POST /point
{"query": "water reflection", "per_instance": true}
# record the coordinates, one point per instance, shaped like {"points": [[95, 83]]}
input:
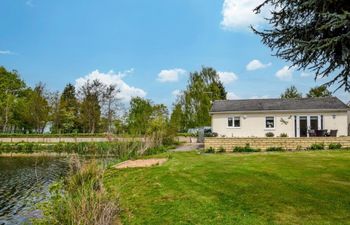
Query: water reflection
{"points": [[24, 181]]}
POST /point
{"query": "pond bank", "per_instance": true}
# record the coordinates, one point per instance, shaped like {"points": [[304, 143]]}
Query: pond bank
{"points": [[34, 154]]}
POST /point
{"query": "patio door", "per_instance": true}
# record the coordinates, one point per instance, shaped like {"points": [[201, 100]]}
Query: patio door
{"points": [[306, 123], [314, 124], [303, 126]]}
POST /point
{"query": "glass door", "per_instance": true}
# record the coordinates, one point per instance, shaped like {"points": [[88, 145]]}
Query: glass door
{"points": [[303, 126], [314, 123]]}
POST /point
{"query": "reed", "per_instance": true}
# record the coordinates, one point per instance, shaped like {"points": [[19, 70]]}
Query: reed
{"points": [[79, 199], [122, 150]]}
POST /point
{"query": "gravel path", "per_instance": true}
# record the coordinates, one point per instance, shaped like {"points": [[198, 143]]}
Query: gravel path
{"points": [[188, 147]]}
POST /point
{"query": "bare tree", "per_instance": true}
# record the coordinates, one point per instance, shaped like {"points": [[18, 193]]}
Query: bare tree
{"points": [[111, 103]]}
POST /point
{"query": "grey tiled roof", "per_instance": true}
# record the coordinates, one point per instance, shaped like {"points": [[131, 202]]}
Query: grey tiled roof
{"points": [[278, 104]]}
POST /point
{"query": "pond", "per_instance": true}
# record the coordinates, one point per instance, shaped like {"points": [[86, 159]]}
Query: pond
{"points": [[25, 181]]}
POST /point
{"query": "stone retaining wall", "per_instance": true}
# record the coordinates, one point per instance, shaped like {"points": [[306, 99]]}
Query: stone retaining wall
{"points": [[264, 143]]}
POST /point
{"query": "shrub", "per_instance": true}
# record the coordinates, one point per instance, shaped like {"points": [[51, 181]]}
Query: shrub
{"points": [[187, 134], [275, 149], [221, 149], [317, 146], [283, 135], [79, 199], [214, 134], [209, 150], [334, 146], [155, 150], [168, 141], [246, 148], [269, 134]]}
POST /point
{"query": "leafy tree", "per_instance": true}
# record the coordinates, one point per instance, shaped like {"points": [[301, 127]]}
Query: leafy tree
{"points": [[311, 34], [21, 112], [139, 115], [291, 92], [55, 114], [176, 118], [203, 88], [11, 87], [320, 91], [111, 104], [37, 108], [69, 110], [119, 126], [90, 110], [158, 125]]}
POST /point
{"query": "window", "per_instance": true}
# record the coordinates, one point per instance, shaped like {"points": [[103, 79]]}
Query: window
{"points": [[270, 122], [234, 122], [230, 122], [237, 122]]}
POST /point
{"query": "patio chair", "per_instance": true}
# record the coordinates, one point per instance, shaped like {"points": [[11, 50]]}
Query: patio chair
{"points": [[321, 133], [312, 133], [333, 133]]}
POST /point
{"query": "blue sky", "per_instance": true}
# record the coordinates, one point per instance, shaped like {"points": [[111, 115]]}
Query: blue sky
{"points": [[146, 47]]}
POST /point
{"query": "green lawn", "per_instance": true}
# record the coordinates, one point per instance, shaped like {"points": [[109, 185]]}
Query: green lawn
{"points": [[260, 188]]}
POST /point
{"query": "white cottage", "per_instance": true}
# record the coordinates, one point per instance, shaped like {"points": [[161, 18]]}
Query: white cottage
{"points": [[295, 117]]}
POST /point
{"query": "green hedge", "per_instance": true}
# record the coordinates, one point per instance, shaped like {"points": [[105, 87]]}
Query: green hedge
{"points": [[246, 148], [120, 149], [7, 135], [275, 149]]}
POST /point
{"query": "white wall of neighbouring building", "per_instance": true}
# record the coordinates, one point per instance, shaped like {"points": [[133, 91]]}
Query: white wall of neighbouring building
{"points": [[253, 124]]}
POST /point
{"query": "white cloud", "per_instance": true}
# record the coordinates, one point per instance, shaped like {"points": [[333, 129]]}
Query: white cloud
{"points": [[227, 77], [305, 74], [232, 96], [171, 75], [238, 14], [126, 91], [256, 64], [6, 52], [176, 92], [259, 97], [285, 74]]}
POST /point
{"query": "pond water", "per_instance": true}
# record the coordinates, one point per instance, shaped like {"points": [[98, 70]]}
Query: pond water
{"points": [[24, 181]]}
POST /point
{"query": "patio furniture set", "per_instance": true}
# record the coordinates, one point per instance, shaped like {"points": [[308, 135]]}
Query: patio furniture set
{"points": [[323, 133]]}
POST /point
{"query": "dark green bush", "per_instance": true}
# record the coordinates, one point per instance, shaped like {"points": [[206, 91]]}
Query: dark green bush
{"points": [[275, 149], [269, 134], [334, 146], [209, 150], [155, 150], [221, 149], [246, 148], [170, 141], [283, 135], [317, 146]]}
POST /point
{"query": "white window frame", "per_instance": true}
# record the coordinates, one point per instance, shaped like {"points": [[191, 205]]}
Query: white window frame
{"points": [[274, 123], [233, 122]]}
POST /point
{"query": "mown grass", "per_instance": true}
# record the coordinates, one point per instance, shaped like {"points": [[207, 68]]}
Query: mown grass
{"points": [[257, 188]]}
